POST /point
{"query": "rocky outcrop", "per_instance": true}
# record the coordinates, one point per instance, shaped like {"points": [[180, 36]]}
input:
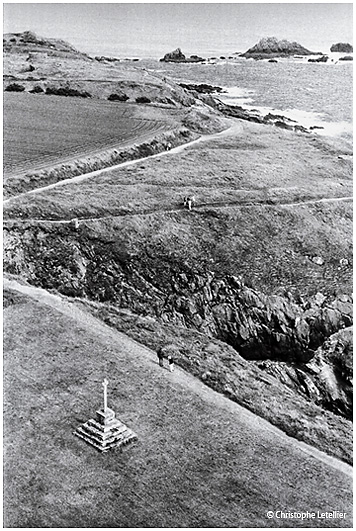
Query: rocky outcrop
{"points": [[271, 47], [342, 47], [326, 378], [346, 58], [177, 56], [258, 326], [331, 369], [322, 59], [254, 116], [203, 88]]}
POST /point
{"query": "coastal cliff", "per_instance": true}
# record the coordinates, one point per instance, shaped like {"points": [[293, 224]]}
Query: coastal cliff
{"points": [[242, 275]]}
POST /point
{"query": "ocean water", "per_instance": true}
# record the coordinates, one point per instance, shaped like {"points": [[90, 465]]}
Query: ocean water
{"points": [[313, 94]]}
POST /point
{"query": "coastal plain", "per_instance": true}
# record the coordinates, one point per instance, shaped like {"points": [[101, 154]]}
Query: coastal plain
{"points": [[103, 265]]}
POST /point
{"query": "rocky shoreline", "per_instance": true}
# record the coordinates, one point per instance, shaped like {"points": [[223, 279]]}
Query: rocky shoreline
{"points": [[236, 111]]}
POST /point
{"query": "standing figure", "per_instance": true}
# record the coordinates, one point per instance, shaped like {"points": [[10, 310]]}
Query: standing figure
{"points": [[189, 202], [160, 356], [171, 363]]}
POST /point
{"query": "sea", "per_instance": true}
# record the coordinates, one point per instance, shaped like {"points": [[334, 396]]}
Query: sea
{"points": [[313, 94]]}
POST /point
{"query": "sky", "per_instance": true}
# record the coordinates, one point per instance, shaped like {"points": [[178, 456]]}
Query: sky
{"points": [[153, 29]]}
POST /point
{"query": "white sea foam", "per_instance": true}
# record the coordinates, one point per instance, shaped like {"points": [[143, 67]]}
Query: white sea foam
{"points": [[236, 96], [242, 97]]}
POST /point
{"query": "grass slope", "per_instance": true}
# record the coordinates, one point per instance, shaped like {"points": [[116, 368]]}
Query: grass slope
{"points": [[255, 216], [201, 461]]}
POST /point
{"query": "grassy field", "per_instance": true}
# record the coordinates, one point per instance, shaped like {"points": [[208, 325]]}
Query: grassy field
{"points": [[40, 130], [161, 183], [201, 461]]}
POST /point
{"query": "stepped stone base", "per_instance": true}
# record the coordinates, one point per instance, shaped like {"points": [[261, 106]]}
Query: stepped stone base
{"points": [[105, 432]]}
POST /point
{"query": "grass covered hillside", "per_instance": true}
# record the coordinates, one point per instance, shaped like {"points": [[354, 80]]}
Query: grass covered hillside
{"points": [[251, 290], [200, 461], [244, 266]]}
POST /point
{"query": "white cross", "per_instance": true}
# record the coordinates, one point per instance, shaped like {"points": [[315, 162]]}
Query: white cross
{"points": [[105, 385]]}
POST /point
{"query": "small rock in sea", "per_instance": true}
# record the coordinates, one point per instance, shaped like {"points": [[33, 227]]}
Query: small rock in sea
{"points": [[344, 262]]}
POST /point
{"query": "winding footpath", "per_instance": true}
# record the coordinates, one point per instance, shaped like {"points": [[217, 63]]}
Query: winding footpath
{"points": [[198, 207], [236, 128]]}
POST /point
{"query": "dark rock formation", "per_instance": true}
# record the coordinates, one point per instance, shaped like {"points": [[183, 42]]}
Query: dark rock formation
{"points": [[143, 99], [331, 369], [177, 56], [346, 58], [118, 97], [258, 326], [37, 89], [322, 59], [203, 88], [272, 47], [272, 61], [103, 58], [342, 47], [251, 116], [326, 378], [67, 91], [14, 87]]}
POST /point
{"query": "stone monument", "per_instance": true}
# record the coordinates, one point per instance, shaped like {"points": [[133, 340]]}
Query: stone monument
{"points": [[105, 431]]}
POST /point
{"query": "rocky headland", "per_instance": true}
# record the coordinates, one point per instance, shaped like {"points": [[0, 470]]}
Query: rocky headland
{"points": [[28, 42], [271, 47]]}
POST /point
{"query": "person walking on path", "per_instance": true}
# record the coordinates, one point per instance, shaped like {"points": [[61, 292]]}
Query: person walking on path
{"points": [[169, 352], [160, 356], [171, 363]]}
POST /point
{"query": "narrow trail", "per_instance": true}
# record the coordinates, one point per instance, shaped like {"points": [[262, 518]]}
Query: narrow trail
{"points": [[236, 128], [179, 376], [198, 207]]}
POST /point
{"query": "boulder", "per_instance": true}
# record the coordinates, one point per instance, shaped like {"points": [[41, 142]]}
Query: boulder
{"points": [[118, 97], [346, 58]]}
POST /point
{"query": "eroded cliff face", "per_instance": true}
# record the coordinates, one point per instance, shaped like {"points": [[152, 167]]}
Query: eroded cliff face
{"points": [[326, 378], [279, 329]]}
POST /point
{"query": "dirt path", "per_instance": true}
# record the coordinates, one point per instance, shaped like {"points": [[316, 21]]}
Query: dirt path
{"points": [[180, 377], [236, 128], [199, 206]]}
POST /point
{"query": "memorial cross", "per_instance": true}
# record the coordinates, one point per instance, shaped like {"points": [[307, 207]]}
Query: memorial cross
{"points": [[105, 385]]}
